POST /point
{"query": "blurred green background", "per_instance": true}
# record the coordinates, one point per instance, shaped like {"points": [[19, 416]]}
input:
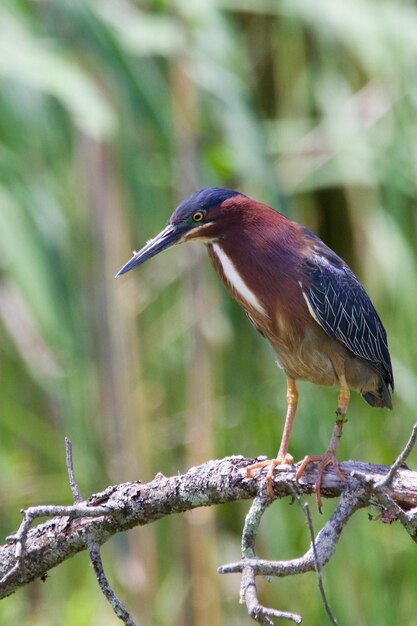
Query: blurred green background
{"points": [[112, 111]]}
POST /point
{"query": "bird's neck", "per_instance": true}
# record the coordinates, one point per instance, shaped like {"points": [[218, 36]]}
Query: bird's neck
{"points": [[231, 275], [258, 263]]}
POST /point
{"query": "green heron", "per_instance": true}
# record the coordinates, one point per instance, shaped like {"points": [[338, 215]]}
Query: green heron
{"points": [[298, 294]]}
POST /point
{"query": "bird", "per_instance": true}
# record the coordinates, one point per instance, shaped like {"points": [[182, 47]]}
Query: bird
{"points": [[300, 295]]}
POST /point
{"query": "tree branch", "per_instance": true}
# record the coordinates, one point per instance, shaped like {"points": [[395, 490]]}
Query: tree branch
{"points": [[31, 553], [248, 591], [124, 506]]}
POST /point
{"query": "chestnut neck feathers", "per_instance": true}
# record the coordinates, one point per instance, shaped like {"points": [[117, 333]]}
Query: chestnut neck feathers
{"points": [[258, 251]]}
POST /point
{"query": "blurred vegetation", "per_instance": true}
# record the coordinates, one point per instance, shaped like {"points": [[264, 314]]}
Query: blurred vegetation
{"points": [[111, 111]]}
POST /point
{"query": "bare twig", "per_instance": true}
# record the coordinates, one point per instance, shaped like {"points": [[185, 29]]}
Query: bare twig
{"points": [[387, 480], [382, 495], [116, 604], [70, 469], [390, 511], [306, 510], [94, 549]]}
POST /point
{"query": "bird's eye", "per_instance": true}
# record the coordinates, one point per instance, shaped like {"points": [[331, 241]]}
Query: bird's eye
{"points": [[198, 216]]}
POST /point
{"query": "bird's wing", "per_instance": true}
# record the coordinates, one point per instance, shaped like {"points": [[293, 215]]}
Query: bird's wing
{"points": [[339, 303]]}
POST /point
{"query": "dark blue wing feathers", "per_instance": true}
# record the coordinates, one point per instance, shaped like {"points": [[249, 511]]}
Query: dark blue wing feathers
{"points": [[341, 306]]}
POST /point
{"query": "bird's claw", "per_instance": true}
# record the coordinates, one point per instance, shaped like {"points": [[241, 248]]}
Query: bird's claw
{"points": [[328, 458], [271, 464]]}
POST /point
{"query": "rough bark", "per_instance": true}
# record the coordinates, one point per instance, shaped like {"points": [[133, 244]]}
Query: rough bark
{"points": [[124, 506]]}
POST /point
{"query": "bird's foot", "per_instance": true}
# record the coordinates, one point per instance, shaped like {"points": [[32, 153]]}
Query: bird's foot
{"points": [[271, 464], [328, 458]]}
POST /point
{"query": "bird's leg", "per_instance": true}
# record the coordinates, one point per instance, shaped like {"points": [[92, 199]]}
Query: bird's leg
{"points": [[283, 458], [329, 457]]}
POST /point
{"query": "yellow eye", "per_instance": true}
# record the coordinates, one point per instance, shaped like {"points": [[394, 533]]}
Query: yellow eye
{"points": [[198, 216]]}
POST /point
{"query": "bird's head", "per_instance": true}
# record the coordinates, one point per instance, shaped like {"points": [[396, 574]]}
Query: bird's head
{"points": [[201, 217]]}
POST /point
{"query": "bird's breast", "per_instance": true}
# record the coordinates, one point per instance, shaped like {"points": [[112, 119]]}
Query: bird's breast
{"points": [[267, 295], [281, 315]]}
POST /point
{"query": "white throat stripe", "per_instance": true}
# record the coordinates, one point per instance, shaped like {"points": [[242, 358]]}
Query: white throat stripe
{"points": [[236, 280]]}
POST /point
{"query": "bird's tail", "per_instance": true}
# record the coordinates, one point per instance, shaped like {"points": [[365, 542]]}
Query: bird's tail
{"points": [[379, 398]]}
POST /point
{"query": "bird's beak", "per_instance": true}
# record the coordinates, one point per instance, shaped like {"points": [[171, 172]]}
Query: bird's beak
{"points": [[167, 238]]}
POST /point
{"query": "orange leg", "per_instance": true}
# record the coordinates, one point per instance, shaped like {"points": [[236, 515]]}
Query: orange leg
{"points": [[283, 458], [329, 457]]}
